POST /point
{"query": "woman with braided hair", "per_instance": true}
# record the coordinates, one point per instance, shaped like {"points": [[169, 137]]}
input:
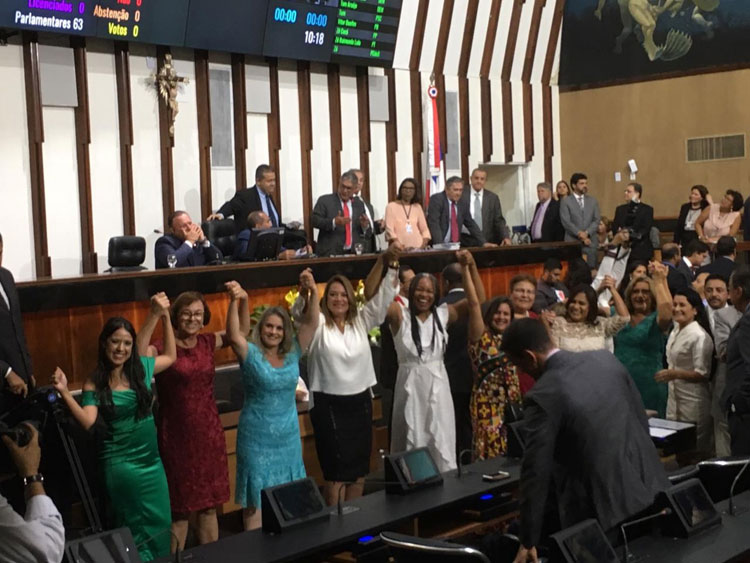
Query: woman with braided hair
{"points": [[422, 403]]}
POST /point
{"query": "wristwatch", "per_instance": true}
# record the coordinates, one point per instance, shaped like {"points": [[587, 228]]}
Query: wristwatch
{"points": [[37, 478], [394, 265]]}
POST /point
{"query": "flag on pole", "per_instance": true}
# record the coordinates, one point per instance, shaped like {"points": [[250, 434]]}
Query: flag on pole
{"points": [[435, 162]]}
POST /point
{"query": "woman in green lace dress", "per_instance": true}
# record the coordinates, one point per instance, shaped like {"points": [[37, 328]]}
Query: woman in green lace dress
{"points": [[120, 388], [640, 345]]}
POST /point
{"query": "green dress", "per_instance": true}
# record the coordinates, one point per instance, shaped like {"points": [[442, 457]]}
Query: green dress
{"points": [[133, 474], [641, 349]]}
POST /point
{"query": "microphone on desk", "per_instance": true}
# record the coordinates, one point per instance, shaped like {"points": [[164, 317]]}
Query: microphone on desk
{"points": [[158, 232], [663, 512], [177, 552], [732, 511], [460, 465]]}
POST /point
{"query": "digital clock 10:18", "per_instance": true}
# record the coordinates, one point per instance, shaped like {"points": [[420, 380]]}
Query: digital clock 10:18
{"points": [[314, 37], [287, 16]]}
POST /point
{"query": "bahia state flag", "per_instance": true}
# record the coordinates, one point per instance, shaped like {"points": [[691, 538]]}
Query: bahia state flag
{"points": [[435, 162]]}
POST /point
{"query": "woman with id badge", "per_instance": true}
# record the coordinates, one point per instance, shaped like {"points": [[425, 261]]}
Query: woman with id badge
{"points": [[404, 218]]}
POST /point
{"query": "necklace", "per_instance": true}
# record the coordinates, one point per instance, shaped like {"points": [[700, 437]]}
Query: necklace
{"points": [[408, 214]]}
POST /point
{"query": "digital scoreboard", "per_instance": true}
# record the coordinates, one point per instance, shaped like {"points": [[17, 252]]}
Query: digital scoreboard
{"points": [[365, 32], [359, 32]]}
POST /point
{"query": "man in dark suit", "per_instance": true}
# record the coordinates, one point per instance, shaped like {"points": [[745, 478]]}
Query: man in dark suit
{"points": [[341, 220], [376, 227], [486, 210], [15, 362], [693, 256], [549, 289], [578, 457], [257, 198], [457, 361], [258, 221], [724, 264], [448, 212], [545, 224], [186, 242], [672, 258], [635, 218], [736, 396]]}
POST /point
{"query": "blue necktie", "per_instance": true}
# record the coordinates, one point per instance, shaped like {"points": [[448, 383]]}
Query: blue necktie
{"points": [[271, 211]]}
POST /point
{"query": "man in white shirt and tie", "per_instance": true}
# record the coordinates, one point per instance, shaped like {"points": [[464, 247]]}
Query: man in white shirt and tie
{"points": [[486, 211], [369, 242], [579, 214]]}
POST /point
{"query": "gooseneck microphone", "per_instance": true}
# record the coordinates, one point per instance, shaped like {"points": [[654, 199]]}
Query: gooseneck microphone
{"points": [[734, 484], [177, 552], [627, 554], [460, 465]]}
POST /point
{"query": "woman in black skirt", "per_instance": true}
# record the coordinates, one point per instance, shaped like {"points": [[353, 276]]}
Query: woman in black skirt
{"points": [[341, 372]]}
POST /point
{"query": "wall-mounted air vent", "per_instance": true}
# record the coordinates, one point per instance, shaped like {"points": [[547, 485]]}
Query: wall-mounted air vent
{"points": [[725, 147]]}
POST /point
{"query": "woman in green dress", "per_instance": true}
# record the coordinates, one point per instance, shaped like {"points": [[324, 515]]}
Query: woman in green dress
{"points": [[640, 345], [120, 388]]}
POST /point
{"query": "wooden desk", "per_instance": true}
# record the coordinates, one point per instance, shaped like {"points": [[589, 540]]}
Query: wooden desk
{"points": [[63, 317]]}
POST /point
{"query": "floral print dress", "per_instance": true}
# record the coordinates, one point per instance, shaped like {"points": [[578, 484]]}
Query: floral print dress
{"points": [[495, 385]]}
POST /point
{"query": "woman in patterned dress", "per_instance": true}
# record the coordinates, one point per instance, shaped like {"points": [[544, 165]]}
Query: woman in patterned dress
{"points": [[495, 379]]}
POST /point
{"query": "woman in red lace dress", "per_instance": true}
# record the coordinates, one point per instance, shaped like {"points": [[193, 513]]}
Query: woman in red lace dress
{"points": [[191, 437]]}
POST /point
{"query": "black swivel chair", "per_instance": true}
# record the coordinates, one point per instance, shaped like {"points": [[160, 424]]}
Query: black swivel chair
{"points": [[410, 549], [126, 254], [222, 235], [718, 474]]}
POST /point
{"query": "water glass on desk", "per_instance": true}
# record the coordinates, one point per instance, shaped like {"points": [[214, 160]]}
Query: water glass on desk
{"points": [[172, 260], [358, 248]]}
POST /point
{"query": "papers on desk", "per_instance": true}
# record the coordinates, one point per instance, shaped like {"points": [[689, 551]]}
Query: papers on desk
{"points": [[660, 432], [669, 424]]}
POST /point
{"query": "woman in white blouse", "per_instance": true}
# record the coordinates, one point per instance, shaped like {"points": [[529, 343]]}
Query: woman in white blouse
{"points": [[341, 373], [689, 354]]}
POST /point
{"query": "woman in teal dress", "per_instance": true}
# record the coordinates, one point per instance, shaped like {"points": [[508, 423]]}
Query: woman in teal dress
{"points": [[120, 388], [269, 451], [640, 345]]}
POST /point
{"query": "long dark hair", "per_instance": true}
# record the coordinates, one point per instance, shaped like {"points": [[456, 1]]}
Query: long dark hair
{"points": [[697, 303], [591, 299], [132, 369], [629, 274], [436, 324], [417, 191], [491, 308]]}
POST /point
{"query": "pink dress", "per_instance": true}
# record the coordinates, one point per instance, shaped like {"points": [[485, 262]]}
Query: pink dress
{"points": [[406, 224], [718, 225], [191, 438]]}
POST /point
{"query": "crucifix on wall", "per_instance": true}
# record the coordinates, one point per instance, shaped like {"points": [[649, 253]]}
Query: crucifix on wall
{"points": [[167, 82]]}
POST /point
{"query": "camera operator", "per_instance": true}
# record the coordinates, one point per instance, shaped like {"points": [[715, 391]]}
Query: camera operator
{"points": [[39, 537]]}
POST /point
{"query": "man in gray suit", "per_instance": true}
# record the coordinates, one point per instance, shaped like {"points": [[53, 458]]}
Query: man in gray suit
{"points": [[448, 212], [589, 463], [341, 220], [579, 214], [486, 211]]}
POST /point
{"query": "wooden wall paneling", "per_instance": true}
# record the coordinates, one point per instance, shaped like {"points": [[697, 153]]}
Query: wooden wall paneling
{"points": [[306, 141], [166, 146], [549, 61], [419, 29], [417, 131], [484, 80], [274, 130], [528, 67], [391, 135], [205, 134], [35, 121], [438, 68], [463, 85], [125, 128], [239, 104], [83, 140], [334, 112], [363, 118], [507, 93]]}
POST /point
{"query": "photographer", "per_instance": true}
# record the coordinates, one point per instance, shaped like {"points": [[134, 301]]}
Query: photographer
{"points": [[39, 537], [635, 219]]}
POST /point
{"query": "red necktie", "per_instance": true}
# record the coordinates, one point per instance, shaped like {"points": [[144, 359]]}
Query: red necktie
{"points": [[454, 223], [348, 240]]}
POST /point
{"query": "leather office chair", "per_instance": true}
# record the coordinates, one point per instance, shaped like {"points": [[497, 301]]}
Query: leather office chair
{"points": [[683, 474], [410, 549], [126, 254], [221, 234]]}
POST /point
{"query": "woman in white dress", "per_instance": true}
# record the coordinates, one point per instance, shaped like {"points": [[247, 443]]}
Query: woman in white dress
{"points": [[689, 354], [341, 372], [422, 403]]}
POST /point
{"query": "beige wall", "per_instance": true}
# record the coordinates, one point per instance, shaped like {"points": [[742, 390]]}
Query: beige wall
{"points": [[650, 121]]}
